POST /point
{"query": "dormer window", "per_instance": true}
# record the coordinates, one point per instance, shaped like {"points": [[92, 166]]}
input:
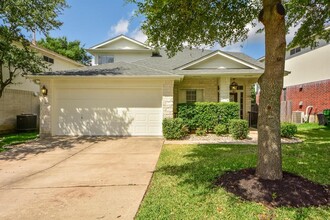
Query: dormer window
{"points": [[295, 50], [103, 59]]}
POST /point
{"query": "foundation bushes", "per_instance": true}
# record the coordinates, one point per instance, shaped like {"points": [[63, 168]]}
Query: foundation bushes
{"points": [[288, 130], [239, 128], [207, 115], [174, 128], [220, 129]]}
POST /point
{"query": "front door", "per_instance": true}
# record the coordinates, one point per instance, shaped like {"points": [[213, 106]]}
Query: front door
{"points": [[235, 97]]}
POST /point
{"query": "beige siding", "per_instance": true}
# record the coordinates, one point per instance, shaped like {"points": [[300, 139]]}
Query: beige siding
{"points": [[309, 67], [218, 62], [124, 56], [22, 83]]}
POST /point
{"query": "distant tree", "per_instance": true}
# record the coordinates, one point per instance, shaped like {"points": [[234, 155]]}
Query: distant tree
{"points": [[73, 50], [18, 17], [174, 23]]}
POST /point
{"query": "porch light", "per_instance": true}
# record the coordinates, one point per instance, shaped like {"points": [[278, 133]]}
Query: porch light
{"points": [[233, 85], [44, 90]]}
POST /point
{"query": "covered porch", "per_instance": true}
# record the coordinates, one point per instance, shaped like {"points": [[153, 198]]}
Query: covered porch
{"points": [[234, 88]]}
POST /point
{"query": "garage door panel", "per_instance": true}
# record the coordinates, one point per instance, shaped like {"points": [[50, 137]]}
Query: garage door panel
{"points": [[116, 98], [117, 114]]}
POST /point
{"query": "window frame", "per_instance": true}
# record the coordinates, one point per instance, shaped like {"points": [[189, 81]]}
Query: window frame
{"points": [[48, 59], [295, 50], [191, 95], [99, 59]]}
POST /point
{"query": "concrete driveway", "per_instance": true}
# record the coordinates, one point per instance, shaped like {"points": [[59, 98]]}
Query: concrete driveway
{"points": [[77, 178]]}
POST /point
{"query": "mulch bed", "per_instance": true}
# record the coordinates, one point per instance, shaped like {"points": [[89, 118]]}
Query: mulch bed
{"points": [[291, 191]]}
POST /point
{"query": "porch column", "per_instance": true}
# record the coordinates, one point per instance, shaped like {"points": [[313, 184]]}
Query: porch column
{"points": [[168, 99], [224, 83], [45, 109]]}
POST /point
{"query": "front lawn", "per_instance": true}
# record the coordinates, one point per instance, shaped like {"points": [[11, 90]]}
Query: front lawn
{"points": [[17, 138], [182, 186]]}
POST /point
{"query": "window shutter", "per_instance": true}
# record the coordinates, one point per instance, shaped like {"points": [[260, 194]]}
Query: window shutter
{"points": [[182, 96], [199, 94]]}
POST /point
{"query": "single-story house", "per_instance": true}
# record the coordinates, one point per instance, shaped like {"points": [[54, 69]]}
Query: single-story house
{"points": [[131, 87]]}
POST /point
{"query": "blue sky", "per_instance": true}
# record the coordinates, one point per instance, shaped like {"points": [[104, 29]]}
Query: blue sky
{"points": [[94, 21]]}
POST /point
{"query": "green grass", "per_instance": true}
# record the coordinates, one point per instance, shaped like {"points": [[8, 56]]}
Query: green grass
{"points": [[10, 139], [182, 186]]}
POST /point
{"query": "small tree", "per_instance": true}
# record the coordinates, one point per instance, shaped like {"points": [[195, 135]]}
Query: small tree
{"points": [[175, 23], [16, 18], [71, 49]]}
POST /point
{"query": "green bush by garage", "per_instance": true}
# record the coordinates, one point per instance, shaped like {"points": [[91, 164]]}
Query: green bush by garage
{"points": [[174, 128]]}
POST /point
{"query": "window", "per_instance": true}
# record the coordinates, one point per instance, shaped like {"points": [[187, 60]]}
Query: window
{"points": [[295, 50], [102, 59], [190, 95], [48, 59]]}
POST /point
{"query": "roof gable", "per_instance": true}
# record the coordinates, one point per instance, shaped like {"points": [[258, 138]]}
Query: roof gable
{"points": [[121, 43], [218, 60]]}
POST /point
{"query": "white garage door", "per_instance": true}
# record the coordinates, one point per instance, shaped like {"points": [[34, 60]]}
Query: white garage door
{"points": [[115, 112]]}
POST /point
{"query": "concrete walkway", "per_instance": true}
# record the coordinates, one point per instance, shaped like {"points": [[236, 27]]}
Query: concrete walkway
{"points": [[77, 178]]}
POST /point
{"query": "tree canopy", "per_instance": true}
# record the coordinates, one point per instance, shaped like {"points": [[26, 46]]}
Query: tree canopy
{"points": [[71, 49], [175, 23], [18, 19]]}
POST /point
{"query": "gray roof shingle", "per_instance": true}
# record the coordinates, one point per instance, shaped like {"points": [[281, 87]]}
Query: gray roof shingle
{"points": [[111, 69], [187, 56], [159, 66]]}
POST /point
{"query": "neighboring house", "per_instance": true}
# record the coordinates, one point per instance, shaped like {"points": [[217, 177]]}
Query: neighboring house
{"points": [[307, 89], [22, 97], [132, 87]]}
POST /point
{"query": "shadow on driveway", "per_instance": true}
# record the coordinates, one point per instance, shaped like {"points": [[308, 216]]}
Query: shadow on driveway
{"points": [[40, 146]]}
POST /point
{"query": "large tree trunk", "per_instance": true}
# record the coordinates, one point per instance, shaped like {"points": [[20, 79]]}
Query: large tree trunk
{"points": [[271, 83]]}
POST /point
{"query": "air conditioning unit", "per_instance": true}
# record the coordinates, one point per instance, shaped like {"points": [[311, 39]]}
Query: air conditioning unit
{"points": [[297, 117]]}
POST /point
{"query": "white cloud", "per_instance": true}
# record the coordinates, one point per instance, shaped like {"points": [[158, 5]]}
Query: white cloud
{"points": [[120, 28], [138, 35], [252, 38]]}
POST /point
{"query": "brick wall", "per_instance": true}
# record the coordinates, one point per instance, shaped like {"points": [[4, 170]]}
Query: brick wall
{"points": [[15, 102], [316, 94]]}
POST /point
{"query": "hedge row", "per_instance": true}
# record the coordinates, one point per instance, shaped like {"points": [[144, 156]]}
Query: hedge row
{"points": [[207, 114]]}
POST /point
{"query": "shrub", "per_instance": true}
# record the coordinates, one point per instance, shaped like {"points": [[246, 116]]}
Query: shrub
{"points": [[220, 129], [238, 128], [201, 131], [174, 128], [288, 130], [207, 114]]}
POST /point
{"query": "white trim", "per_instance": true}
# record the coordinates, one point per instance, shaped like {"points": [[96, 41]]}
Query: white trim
{"points": [[121, 37], [215, 54]]}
